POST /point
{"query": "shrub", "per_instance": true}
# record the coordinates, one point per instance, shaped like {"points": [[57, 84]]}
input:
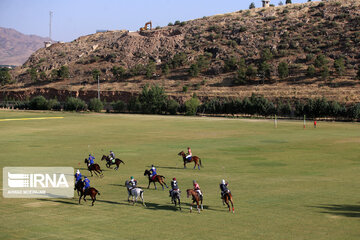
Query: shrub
{"points": [[134, 104], [153, 99], [339, 65], [170, 24], [74, 104], [251, 72], [64, 72], [177, 22], [165, 69], [38, 103], [5, 76], [95, 105], [288, 2], [118, 72], [252, 5], [179, 59], [230, 64], [320, 61], [137, 70], [191, 106], [54, 104], [194, 70], [118, 106], [172, 106], [354, 111], [264, 71], [95, 74], [185, 89], [310, 72], [283, 70], [150, 69], [33, 74], [266, 55]]}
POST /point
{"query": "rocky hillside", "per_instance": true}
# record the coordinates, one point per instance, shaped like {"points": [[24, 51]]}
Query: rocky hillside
{"points": [[296, 51], [16, 48]]}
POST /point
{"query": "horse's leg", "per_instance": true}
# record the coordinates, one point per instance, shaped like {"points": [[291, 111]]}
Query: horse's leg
{"points": [[197, 206], [198, 165], [80, 198], [165, 183], [142, 198], [93, 199], [184, 163], [201, 204], [194, 164], [191, 206], [149, 184], [179, 203], [128, 196], [160, 181], [155, 185], [232, 205]]}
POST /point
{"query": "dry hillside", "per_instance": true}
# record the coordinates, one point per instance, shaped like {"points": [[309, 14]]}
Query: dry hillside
{"points": [[294, 35]]}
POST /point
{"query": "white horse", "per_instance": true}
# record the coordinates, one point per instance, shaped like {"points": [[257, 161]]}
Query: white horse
{"points": [[135, 193]]}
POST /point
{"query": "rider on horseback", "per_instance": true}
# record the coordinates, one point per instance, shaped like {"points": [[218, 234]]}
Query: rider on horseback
{"points": [[132, 182], [174, 187], [223, 187], [77, 176], [87, 183], [189, 155], [112, 156], [91, 160], [153, 172], [197, 188]]}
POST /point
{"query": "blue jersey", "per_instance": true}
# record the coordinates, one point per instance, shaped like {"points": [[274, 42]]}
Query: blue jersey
{"points": [[87, 183], [91, 159], [78, 176], [153, 171]]}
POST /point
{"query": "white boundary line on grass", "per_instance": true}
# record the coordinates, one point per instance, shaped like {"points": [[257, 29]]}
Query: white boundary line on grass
{"points": [[24, 119]]}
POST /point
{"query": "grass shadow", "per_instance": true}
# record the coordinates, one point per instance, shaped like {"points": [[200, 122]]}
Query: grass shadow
{"points": [[352, 211], [111, 202], [155, 206], [57, 201]]}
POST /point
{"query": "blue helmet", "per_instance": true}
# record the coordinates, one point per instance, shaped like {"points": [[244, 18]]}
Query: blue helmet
{"points": [[85, 176]]}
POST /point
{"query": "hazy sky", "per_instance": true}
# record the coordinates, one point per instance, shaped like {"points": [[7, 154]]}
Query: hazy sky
{"points": [[75, 18]]}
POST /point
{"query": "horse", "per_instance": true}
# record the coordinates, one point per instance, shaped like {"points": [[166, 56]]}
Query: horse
{"points": [[90, 191], [94, 167], [195, 198], [78, 186], [228, 198], [157, 178], [194, 159], [135, 193], [175, 195], [109, 162]]}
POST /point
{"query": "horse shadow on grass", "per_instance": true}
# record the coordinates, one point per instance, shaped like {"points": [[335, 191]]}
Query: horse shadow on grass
{"points": [[86, 169], [58, 201], [166, 167], [352, 211]]}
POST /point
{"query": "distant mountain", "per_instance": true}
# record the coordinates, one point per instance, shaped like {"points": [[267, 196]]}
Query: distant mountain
{"points": [[16, 48]]}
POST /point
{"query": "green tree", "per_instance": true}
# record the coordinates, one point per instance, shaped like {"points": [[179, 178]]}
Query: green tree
{"points": [[43, 76], [320, 61], [288, 2], [64, 72], [191, 106], [179, 59], [339, 65], [33, 74], [252, 5], [150, 69], [251, 72], [325, 72], [118, 72], [5, 76], [172, 106], [311, 71], [230, 64], [264, 71], [74, 104], [118, 106], [241, 72], [38, 103], [54, 74], [153, 99], [95, 74], [283, 70], [194, 70], [95, 105], [203, 62], [165, 69], [266, 55]]}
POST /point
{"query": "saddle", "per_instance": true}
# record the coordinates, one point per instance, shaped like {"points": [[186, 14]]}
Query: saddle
{"points": [[113, 161], [153, 177]]}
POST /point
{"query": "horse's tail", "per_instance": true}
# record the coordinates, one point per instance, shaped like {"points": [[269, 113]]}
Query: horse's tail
{"points": [[97, 192], [121, 161], [200, 162]]}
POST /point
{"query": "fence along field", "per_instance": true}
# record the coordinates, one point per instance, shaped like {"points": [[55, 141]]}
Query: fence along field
{"points": [[287, 183]]}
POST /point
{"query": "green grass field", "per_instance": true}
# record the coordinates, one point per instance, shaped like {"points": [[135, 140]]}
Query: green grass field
{"points": [[287, 183]]}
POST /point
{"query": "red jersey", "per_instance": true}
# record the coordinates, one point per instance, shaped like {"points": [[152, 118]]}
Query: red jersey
{"points": [[196, 186]]}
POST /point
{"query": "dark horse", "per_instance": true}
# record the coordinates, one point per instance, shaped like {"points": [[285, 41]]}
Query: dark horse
{"points": [[175, 195], [228, 198], [195, 198], [157, 178], [90, 191], [194, 159], [109, 162], [94, 167]]}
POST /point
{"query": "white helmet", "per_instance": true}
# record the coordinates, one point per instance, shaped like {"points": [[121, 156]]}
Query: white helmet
{"points": [[78, 171], [223, 181]]}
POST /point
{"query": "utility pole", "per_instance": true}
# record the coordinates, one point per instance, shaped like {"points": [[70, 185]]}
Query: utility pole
{"points": [[98, 87]]}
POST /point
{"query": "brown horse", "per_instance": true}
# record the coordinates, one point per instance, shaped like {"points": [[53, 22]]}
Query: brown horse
{"points": [[228, 198], [109, 162], [195, 198], [194, 159], [90, 191], [157, 178], [94, 167]]}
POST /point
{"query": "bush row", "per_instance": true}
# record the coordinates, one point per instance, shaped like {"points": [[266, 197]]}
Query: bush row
{"points": [[153, 100]]}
